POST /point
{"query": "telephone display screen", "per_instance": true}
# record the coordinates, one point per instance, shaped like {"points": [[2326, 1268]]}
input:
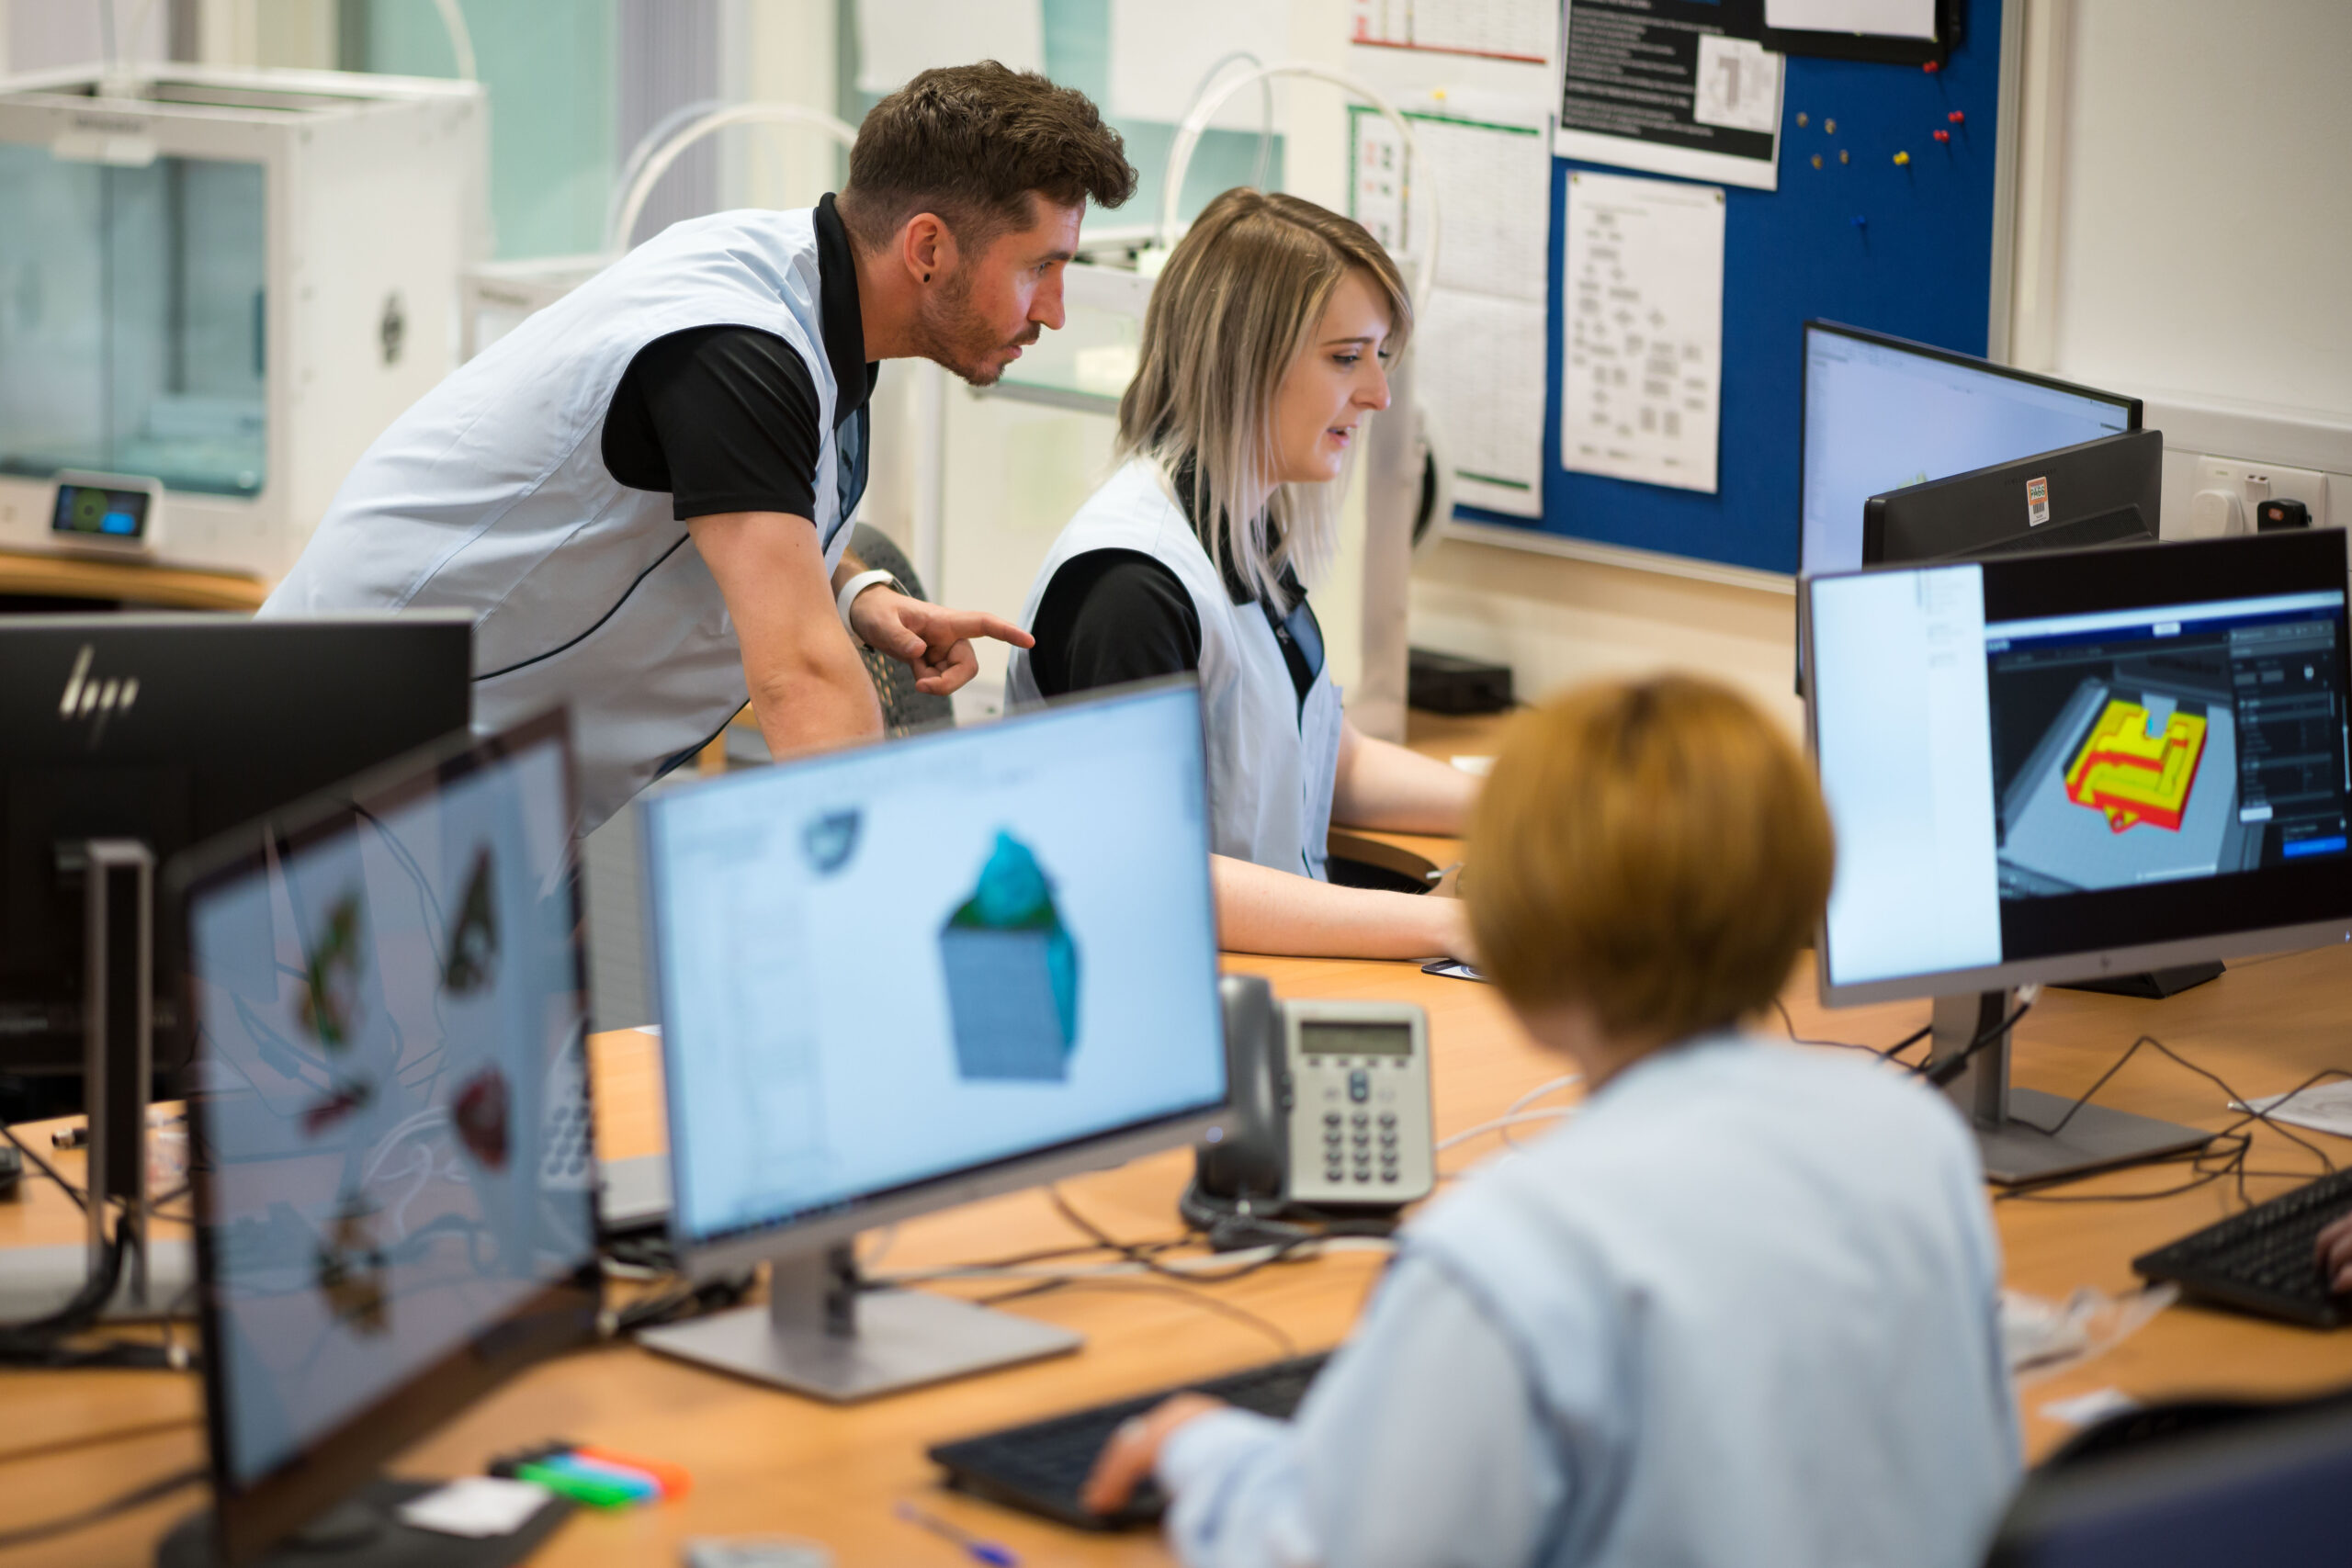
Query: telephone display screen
{"points": [[1356, 1039]]}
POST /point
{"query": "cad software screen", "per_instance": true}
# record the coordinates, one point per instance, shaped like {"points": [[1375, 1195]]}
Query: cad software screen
{"points": [[1878, 418], [390, 1042], [915, 959], [2011, 786]]}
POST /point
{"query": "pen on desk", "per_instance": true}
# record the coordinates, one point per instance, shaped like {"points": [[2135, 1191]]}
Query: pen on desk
{"points": [[978, 1550]]}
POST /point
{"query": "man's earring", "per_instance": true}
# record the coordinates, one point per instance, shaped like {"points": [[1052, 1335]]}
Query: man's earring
{"points": [[926, 277]]}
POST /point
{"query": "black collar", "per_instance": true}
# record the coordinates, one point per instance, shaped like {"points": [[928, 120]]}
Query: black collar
{"points": [[1188, 487], [854, 374]]}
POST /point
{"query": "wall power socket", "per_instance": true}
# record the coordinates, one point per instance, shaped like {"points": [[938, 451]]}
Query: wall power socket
{"points": [[2228, 490]]}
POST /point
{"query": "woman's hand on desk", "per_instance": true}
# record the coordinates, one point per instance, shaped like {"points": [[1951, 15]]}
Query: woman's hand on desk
{"points": [[1133, 1450], [2335, 1254]]}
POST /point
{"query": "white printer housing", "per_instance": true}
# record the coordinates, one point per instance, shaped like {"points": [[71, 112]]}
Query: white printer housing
{"points": [[226, 281]]}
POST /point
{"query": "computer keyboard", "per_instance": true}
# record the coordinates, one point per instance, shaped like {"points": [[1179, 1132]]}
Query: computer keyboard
{"points": [[1041, 1466], [2265, 1260]]}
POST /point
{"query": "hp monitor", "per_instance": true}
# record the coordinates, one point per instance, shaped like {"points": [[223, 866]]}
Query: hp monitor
{"points": [[2047, 767], [1881, 413], [164, 730], [396, 1207], [2108, 491], [907, 975]]}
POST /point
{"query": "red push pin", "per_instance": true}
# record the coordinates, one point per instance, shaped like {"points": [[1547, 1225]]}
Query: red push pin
{"points": [[1956, 117], [1932, 66], [1943, 136]]}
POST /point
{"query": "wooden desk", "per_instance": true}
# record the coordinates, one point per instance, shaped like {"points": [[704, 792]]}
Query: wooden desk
{"points": [[132, 582], [767, 1461]]}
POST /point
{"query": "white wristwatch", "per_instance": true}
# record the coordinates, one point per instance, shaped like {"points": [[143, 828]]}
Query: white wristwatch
{"points": [[855, 586]]}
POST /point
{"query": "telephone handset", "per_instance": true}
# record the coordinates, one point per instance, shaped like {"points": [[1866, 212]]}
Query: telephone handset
{"points": [[1331, 1109]]}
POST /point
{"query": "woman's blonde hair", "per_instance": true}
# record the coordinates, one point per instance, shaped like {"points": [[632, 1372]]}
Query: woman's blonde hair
{"points": [[1655, 850], [1236, 306]]}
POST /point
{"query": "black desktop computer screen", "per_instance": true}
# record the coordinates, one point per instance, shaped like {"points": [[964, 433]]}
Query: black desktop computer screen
{"points": [[396, 1205], [168, 730], [2103, 492], [1881, 414], [2046, 767], [890, 969]]}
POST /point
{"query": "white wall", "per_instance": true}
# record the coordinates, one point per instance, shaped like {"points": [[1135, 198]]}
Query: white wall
{"points": [[2185, 220]]}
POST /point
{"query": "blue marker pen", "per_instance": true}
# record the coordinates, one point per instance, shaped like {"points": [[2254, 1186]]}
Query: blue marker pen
{"points": [[978, 1550]]}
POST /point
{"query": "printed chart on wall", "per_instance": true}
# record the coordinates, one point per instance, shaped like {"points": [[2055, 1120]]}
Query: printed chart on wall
{"points": [[1642, 330], [1671, 86], [1498, 30], [1478, 353]]}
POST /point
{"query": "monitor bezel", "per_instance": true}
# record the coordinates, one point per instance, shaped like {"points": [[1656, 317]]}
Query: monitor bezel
{"points": [[813, 1230], [2134, 409], [2192, 560], [1976, 491], [248, 1518]]}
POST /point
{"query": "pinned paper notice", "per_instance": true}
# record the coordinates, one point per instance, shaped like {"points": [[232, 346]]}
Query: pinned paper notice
{"points": [[1642, 330]]}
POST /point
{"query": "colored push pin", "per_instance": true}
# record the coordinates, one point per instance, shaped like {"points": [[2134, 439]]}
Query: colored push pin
{"points": [[1957, 118], [1931, 66], [1860, 221], [1943, 136], [1901, 159]]}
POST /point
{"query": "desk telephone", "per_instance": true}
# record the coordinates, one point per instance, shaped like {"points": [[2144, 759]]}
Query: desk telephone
{"points": [[1332, 1103]]}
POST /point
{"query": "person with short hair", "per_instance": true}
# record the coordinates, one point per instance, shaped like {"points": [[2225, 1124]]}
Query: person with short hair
{"points": [[1265, 348], [643, 493], [1741, 1308]]}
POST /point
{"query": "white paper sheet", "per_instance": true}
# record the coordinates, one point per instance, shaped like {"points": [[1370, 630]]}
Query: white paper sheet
{"points": [[1162, 54], [1739, 84], [897, 39], [1502, 29], [1479, 349], [2323, 1108], [1642, 330], [1895, 19], [1478, 365]]}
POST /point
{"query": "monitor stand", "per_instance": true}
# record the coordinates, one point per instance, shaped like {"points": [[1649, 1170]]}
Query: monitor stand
{"points": [[2010, 1122], [364, 1530], [2154, 985], [823, 1334]]}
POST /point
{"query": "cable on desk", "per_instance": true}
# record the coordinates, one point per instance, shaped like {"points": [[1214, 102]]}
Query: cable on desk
{"points": [[44, 1167], [1939, 1074], [2234, 1160], [47, 1449], [1199, 1298], [1146, 1257], [162, 1487], [1890, 1053]]}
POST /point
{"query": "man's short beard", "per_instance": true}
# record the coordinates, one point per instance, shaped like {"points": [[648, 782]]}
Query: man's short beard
{"points": [[951, 333]]}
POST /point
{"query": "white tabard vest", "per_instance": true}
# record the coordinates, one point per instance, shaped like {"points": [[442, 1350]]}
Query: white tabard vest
{"points": [[491, 495], [1271, 764]]}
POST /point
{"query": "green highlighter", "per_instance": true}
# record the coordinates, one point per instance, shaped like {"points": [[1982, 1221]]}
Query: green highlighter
{"points": [[566, 1482]]}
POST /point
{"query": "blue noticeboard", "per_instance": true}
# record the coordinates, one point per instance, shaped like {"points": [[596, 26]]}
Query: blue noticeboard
{"points": [[1919, 265]]}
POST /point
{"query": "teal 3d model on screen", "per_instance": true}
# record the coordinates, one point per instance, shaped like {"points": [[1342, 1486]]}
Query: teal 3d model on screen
{"points": [[1012, 972]]}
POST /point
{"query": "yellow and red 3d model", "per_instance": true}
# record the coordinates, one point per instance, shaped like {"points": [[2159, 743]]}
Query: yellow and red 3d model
{"points": [[2134, 776]]}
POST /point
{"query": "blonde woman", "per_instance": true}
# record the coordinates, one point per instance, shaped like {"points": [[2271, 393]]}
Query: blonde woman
{"points": [[1265, 346], [1740, 1313]]}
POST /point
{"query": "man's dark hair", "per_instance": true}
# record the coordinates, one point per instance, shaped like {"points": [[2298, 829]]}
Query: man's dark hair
{"points": [[970, 143]]}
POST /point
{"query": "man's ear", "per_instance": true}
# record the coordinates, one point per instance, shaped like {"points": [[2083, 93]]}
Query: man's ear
{"points": [[927, 247]]}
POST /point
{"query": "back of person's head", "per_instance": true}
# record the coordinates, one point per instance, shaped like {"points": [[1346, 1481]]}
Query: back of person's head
{"points": [[1654, 851], [1236, 306], [970, 143]]}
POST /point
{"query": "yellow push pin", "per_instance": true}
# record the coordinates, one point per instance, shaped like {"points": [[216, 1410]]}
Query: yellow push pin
{"points": [[1901, 159]]}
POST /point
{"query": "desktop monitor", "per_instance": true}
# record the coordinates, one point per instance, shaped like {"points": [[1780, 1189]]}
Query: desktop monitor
{"points": [[2108, 491], [1881, 413], [166, 729], [395, 1205], [2046, 767], [904, 977]]}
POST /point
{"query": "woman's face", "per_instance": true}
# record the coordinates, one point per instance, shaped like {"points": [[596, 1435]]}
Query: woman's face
{"points": [[1341, 377]]}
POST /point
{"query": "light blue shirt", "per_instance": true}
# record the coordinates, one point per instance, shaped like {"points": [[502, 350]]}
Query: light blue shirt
{"points": [[1743, 1310]]}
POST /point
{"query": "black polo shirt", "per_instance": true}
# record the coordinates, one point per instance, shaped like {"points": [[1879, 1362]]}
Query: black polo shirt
{"points": [[725, 418]]}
